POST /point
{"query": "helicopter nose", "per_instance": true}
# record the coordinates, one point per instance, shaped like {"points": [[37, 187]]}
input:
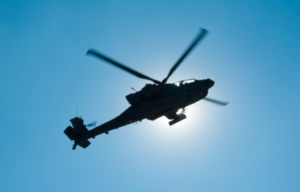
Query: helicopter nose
{"points": [[210, 83]]}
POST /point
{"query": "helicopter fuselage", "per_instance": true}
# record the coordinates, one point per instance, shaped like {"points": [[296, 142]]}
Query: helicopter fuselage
{"points": [[168, 100], [151, 102]]}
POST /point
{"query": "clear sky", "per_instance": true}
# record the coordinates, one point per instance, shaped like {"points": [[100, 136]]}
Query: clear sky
{"points": [[251, 52]]}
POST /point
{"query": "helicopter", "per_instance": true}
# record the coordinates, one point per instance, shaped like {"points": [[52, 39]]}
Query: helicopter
{"points": [[151, 102]]}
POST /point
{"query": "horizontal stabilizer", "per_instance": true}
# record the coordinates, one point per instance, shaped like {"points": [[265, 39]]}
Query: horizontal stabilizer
{"points": [[77, 134], [71, 133]]}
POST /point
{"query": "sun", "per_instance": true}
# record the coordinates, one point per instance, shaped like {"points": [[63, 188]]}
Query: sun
{"points": [[182, 129]]}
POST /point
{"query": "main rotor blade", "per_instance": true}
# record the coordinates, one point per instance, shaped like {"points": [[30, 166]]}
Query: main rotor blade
{"points": [[197, 39], [216, 101], [121, 66]]}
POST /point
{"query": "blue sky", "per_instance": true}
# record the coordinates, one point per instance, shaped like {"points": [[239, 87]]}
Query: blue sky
{"points": [[252, 54]]}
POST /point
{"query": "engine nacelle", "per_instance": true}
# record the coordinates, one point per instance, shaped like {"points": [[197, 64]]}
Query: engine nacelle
{"points": [[134, 98], [149, 90]]}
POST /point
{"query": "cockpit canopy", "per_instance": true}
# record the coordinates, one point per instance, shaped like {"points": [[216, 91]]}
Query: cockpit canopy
{"points": [[184, 82]]}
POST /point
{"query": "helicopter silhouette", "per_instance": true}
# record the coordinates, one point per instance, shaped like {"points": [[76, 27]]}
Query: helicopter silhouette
{"points": [[151, 102]]}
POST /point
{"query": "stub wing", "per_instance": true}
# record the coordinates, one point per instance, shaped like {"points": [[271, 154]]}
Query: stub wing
{"points": [[175, 117], [171, 115]]}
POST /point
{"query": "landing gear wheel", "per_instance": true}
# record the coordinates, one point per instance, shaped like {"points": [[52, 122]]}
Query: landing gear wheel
{"points": [[74, 146]]}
